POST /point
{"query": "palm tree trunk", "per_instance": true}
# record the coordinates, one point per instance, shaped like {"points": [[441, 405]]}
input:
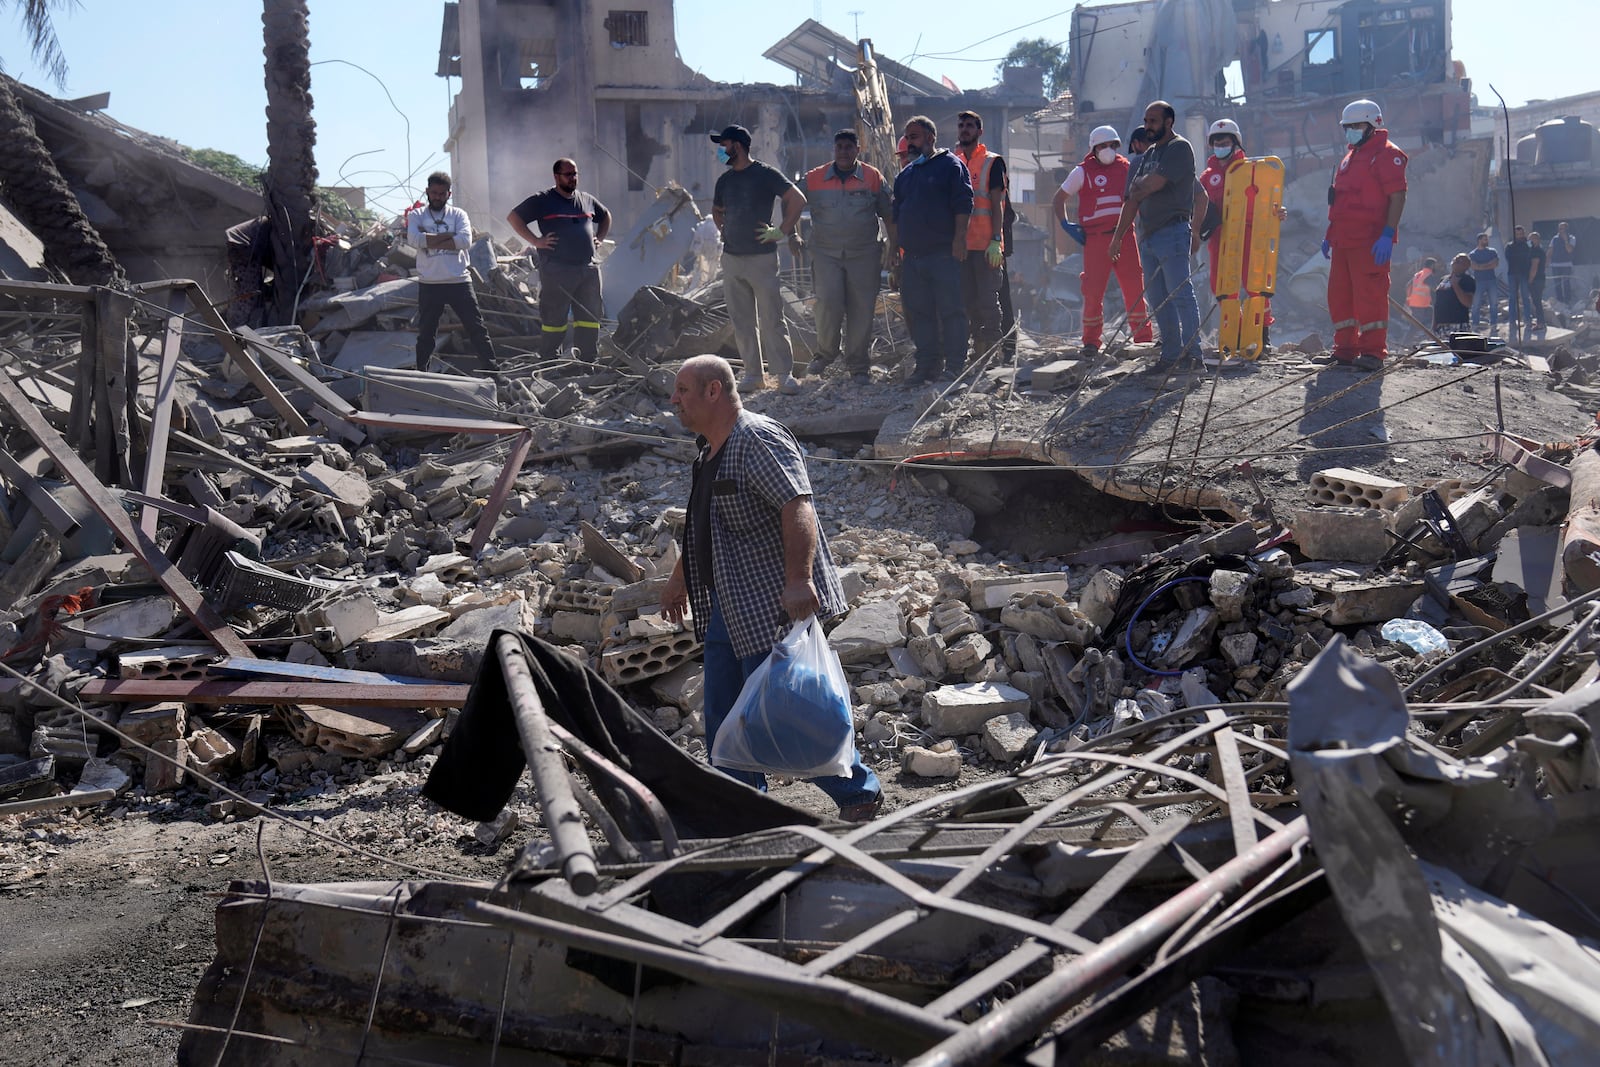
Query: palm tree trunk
{"points": [[291, 138], [45, 203]]}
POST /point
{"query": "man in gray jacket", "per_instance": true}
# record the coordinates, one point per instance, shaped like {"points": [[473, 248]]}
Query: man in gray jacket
{"points": [[847, 198]]}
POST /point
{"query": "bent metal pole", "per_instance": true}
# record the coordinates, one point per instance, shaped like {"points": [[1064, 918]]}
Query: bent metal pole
{"points": [[562, 816], [1026, 1015]]}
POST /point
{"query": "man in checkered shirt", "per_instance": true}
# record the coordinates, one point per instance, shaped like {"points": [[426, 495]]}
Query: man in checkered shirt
{"points": [[754, 557]]}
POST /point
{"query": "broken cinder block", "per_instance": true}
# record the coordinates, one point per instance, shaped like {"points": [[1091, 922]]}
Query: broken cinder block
{"points": [[1351, 488], [963, 708]]}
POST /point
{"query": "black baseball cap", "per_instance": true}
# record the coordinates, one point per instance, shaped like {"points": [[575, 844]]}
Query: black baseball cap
{"points": [[733, 133]]}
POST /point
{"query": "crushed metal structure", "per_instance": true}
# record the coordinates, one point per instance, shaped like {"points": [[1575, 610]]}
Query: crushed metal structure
{"points": [[1039, 914]]}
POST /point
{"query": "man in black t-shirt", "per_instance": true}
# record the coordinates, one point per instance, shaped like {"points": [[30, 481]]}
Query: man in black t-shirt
{"points": [[571, 224], [1452, 298], [741, 206]]}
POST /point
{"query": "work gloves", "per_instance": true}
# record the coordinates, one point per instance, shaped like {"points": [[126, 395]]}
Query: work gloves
{"points": [[994, 254], [1327, 249], [1075, 232], [768, 234], [1383, 247]]}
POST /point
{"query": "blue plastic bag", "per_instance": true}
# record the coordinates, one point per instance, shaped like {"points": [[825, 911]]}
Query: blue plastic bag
{"points": [[793, 714]]}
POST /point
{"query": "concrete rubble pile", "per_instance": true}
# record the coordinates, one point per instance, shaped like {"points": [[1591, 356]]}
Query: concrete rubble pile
{"points": [[248, 576]]}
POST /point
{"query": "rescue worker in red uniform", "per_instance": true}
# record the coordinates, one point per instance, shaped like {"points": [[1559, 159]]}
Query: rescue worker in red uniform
{"points": [[1364, 206], [1227, 149], [1095, 191]]}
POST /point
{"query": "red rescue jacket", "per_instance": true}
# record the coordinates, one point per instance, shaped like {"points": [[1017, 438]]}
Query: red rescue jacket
{"points": [[1100, 197], [1359, 207]]}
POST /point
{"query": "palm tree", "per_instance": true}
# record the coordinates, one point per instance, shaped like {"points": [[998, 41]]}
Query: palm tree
{"points": [[291, 137], [32, 183]]}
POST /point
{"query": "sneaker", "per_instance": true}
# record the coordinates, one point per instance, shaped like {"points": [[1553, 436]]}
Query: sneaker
{"points": [[1088, 351], [750, 383], [921, 377], [1368, 363], [789, 386], [865, 811], [860, 377]]}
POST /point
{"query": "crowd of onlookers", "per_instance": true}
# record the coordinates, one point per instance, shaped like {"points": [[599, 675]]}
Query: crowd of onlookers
{"points": [[1468, 293]]}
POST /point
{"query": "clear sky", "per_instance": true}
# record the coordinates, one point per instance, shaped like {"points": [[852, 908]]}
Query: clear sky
{"points": [[190, 70]]}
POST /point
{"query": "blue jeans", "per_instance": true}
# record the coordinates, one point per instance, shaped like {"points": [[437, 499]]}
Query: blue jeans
{"points": [[1485, 296], [930, 297], [1521, 310], [725, 674], [1168, 293]]}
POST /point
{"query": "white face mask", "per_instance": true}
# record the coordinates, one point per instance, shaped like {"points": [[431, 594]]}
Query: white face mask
{"points": [[1106, 155]]}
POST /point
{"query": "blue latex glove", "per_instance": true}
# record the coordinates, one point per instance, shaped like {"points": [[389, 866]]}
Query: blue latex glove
{"points": [[1383, 247], [1075, 232], [1327, 249]]}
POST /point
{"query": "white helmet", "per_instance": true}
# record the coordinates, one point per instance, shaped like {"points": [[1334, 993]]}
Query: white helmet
{"points": [[1224, 126], [1103, 135], [1361, 111]]}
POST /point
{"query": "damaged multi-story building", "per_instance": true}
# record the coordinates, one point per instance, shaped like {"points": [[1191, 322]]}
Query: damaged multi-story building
{"points": [[541, 79], [1271, 66]]}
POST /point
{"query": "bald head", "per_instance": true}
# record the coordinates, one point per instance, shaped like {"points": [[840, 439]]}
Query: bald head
{"points": [[707, 369], [706, 397]]}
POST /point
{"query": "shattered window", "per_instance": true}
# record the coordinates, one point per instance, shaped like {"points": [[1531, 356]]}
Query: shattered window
{"points": [[629, 28], [1322, 46]]}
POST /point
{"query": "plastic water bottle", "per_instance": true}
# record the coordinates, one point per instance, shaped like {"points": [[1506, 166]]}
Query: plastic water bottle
{"points": [[1415, 634]]}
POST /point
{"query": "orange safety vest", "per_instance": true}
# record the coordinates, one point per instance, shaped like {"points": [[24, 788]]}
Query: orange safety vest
{"points": [[980, 228], [1420, 294]]}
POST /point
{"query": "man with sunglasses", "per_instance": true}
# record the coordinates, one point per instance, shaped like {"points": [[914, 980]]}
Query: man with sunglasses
{"points": [[571, 225]]}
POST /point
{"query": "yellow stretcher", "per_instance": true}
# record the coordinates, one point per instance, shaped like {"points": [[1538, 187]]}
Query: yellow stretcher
{"points": [[1247, 260]]}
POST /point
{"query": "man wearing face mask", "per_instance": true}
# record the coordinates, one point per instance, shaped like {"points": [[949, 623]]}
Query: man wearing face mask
{"points": [[741, 206], [1227, 149], [1164, 191], [1365, 201], [1094, 192], [932, 205]]}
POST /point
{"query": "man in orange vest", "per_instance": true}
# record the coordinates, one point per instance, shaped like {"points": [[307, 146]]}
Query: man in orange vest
{"points": [[1094, 191], [981, 270], [1364, 207], [1419, 294], [847, 198]]}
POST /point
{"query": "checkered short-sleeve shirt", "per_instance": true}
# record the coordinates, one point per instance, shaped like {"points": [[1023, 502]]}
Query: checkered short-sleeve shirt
{"points": [[761, 469]]}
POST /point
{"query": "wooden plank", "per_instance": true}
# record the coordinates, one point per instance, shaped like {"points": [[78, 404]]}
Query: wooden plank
{"points": [[224, 457], [46, 291], [65, 800], [243, 359], [161, 419], [80, 416], [25, 482], [435, 423], [502, 489], [111, 440], [327, 694], [110, 509], [294, 371]]}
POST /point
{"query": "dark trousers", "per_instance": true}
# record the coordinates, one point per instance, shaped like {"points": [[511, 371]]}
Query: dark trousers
{"points": [[432, 299], [930, 297], [1008, 312], [569, 289], [980, 290]]}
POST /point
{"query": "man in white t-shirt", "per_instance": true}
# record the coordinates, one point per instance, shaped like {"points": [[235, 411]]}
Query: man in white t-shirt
{"points": [[441, 234]]}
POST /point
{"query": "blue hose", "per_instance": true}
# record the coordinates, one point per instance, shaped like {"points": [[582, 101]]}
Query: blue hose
{"points": [[1127, 636]]}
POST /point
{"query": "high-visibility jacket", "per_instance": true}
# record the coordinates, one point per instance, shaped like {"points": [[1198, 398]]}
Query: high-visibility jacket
{"points": [[1101, 194], [1367, 176], [980, 228], [1420, 293]]}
